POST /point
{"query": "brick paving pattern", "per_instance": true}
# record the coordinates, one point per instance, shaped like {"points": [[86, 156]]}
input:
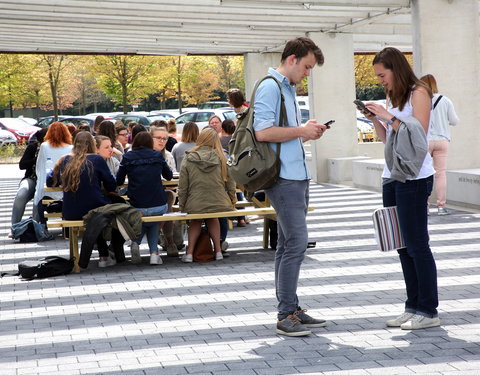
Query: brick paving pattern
{"points": [[219, 317]]}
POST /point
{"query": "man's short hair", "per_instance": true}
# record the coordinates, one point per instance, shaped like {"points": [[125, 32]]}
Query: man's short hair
{"points": [[300, 47]]}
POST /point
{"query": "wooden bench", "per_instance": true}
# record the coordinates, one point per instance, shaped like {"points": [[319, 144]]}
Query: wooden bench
{"points": [[75, 226]]}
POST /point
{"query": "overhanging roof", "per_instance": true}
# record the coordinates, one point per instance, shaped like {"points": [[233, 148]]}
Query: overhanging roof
{"points": [[196, 26]]}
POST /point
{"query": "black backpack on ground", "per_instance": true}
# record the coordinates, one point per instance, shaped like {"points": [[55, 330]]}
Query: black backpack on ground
{"points": [[40, 269]]}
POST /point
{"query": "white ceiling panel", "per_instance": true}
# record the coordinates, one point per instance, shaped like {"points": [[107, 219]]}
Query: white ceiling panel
{"points": [[195, 26]]}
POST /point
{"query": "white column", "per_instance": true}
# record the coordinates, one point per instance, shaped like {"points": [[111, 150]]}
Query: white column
{"points": [[256, 66], [331, 89], [446, 44]]}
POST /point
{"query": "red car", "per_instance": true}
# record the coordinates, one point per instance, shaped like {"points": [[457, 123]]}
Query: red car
{"points": [[20, 129]]}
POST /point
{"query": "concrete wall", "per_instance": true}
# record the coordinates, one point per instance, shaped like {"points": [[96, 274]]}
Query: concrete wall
{"points": [[256, 67], [446, 44]]}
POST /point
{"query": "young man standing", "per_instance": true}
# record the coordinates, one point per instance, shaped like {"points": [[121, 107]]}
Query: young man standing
{"points": [[289, 196]]}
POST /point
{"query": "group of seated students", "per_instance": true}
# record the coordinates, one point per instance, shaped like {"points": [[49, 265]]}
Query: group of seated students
{"points": [[91, 171]]}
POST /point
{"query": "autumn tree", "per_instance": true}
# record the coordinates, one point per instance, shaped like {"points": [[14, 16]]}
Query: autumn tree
{"points": [[126, 79], [200, 80], [230, 72], [13, 71]]}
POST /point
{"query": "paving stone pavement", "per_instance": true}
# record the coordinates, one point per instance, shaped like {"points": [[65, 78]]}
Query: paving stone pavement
{"points": [[219, 317]]}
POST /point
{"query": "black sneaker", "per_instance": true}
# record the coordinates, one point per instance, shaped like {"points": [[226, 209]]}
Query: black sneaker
{"points": [[308, 321], [291, 326]]}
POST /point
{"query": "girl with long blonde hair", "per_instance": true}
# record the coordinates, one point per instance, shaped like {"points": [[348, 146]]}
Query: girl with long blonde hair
{"points": [[205, 186]]}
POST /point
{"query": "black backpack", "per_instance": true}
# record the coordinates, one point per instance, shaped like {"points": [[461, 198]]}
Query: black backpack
{"points": [[47, 267], [251, 163]]}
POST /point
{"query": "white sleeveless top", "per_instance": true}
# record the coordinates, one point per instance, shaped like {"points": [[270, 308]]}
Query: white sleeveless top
{"points": [[427, 166]]}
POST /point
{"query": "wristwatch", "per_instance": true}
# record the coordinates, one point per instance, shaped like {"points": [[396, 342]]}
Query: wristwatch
{"points": [[392, 120]]}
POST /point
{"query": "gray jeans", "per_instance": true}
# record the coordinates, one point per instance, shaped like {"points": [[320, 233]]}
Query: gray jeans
{"points": [[290, 200], [25, 193]]}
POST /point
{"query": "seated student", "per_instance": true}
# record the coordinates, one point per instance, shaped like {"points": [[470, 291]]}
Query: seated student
{"points": [[189, 137], [122, 136], [172, 134], [205, 186], [82, 175], [107, 129], [145, 167], [228, 128], [105, 150]]}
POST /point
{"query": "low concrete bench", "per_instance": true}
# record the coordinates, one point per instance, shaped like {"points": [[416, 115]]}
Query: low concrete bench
{"points": [[463, 187], [367, 174], [75, 226]]}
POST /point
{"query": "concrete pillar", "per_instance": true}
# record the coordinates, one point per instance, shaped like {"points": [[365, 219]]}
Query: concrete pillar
{"points": [[256, 67], [446, 44], [331, 91]]}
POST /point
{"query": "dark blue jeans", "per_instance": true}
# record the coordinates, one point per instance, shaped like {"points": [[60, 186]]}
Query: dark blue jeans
{"points": [[418, 264], [289, 198]]}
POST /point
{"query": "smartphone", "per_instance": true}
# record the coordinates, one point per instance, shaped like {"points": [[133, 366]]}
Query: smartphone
{"points": [[361, 106], [327, 124]]}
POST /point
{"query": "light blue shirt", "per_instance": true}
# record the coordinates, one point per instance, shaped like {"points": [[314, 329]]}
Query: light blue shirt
{"points": [[267, 114]]}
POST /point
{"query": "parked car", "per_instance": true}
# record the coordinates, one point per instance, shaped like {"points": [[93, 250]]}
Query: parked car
{"points": [[77, 120], [6, 136], [28, 120], [43, 122], [200, 117], [213, 105], [143, 119], [305, 113], [20, 129]]}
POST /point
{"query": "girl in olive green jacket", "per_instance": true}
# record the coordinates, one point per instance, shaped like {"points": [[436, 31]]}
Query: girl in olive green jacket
{"points": [[205, 186]]}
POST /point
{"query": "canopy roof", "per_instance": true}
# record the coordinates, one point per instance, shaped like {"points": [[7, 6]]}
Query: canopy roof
{"points": [[196, 26]]}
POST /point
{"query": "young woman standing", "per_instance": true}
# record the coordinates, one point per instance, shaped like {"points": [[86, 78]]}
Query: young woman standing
{"points": [[403, 123]]}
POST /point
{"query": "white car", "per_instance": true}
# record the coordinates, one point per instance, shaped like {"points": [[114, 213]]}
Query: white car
{"points": [[6, 137], [200, 117]]}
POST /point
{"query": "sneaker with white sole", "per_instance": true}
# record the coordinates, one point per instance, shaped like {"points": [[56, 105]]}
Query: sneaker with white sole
{"points": [[309, 321], [135, 253], [218, 256], [187, 258], [421, 322], [155, 259], [399, 320], [291, 326], [224, 245], [107, 263], [442, 211]]}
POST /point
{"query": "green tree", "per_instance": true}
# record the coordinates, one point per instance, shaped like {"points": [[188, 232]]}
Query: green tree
{"points": [[230, 72], [126, 79], [199, 80], [12, 72]]}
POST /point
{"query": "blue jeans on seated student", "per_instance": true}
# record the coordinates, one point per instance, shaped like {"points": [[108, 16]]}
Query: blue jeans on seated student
{"points": [[418, 264], [151, 229]]}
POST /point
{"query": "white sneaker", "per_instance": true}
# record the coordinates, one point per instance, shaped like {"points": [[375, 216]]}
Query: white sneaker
{"points": [[155, 259], [187, 258], [399, 320], [218, 256], [224, 246], [107, 263], [420, 322], [135, 253]]}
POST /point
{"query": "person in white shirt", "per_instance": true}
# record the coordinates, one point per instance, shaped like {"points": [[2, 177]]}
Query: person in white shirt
{"points": [[443, 115]]}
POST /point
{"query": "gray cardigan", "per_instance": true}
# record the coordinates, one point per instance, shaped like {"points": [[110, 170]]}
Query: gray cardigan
{"points": [[405, 150]]}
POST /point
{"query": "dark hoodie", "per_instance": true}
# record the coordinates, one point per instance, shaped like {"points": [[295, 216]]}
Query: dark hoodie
{"points": [[144, 168]]}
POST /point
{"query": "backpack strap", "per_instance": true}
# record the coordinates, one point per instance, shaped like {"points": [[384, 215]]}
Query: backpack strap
{"points": [[436, 101], [283, 111]]}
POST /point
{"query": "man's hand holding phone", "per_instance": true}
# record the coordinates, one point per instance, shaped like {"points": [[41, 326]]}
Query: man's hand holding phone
{"points": [[313, 130]]}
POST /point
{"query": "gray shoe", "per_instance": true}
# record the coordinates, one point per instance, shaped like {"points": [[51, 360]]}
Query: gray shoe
{"points": [[443, 211], [308, 321], [399, 320], [420, 322], [135, 253], [291, 326]]}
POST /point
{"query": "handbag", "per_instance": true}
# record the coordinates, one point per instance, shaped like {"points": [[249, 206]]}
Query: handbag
{"points": [[203, 251], [387, 229]]}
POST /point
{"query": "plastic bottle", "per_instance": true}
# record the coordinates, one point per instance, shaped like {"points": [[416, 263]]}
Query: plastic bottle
{"points": [[48, 166]]}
